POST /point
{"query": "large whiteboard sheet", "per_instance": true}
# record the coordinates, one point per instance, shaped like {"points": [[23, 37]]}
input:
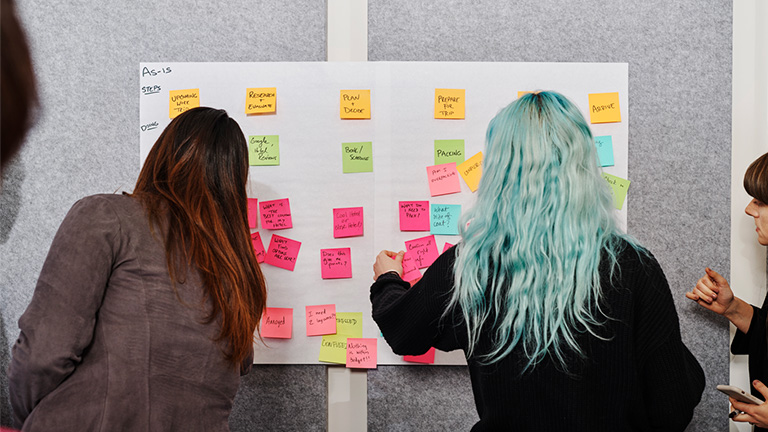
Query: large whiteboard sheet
{"points": [[402, 129]]}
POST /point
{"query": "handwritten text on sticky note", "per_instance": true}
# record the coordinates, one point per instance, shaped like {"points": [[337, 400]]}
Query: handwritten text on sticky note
{"points": [[277, 323], [182, 100], [263, 150], [604, 145], [424, 250], [349, 323], [336, 263], [261, 100], [282, 252], [444, 219], [414, 215], [347, 222], [361, 353], [258, 247], [443, 179], [333, 349], [449, 103], [604, 108], [276, 214], [357, 157], [321, 320], [410, 270], [471, 170], [619, 187], [449, 151], [355, 104]]}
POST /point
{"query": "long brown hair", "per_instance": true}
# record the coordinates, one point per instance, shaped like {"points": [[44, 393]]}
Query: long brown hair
{"points": [[194, 185]]}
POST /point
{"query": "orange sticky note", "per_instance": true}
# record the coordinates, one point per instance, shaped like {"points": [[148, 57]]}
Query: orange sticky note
{"points": [[604, 108], [277, 323], [522, 93], [355, 104], [182, 100], [449, 103], [471, 170], [261, 100]]}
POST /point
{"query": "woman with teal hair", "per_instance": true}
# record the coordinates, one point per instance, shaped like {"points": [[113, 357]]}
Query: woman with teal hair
{"points": [[566, 322]]}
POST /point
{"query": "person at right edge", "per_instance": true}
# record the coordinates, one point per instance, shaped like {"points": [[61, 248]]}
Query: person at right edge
{"points": [[566, 323], [713, 292]]}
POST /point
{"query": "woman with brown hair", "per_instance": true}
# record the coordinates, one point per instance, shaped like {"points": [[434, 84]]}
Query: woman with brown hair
{"points": [[144, 313], [713, 292]]}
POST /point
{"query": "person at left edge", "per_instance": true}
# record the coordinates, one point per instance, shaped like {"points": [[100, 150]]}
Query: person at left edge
{"points": [[144, 313]]}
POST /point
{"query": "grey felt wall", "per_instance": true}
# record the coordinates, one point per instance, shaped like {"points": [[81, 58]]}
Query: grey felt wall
{"points": [[86, 55], [679, 56], [87, 52]]}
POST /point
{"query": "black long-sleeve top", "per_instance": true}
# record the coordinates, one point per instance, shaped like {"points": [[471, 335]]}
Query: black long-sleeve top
{"points": [[641, 378], [754, 343]]}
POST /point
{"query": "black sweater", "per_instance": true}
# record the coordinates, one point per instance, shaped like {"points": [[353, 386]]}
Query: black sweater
{"points": [[642, 378], [753, 343]]}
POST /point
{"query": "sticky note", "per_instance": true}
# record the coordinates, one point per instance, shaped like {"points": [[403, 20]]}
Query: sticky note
{"points": [[347, 222], [333, 349], [426, 358], [182, 100], [336, 263], [423, 250], [444, 219], [414, 215], [449, 151], [262, 100], [446, 247], [321, 320], [258, 247], [277, 323], [522, 93], [357, 157], [410, 270], [282, 252], [276, 214], [361, 353], [471, 170], [604, 108], [620, 187], [263, 150], [443, 179], [253, 212], [355, 104], [349, 323], [604, 145], [449, 103]]}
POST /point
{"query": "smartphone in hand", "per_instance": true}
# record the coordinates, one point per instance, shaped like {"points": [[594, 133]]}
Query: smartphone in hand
{"points": [[739, 394]]}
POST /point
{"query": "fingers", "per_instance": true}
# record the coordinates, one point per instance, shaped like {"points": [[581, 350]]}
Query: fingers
{"points": [[759, 386], [705, 289], [399, 257], [715, 276]]}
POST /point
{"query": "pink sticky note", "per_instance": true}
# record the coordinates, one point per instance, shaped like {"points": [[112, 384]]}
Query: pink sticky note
{"points": [[258, 247], [414, 215], [347, 222], [276, 214], [253, 212], [423, 250], [321, 320], [282, 252], [446, 247], [428, 357], [277, 323], [410, 270], [336, 263], [361, 353], [443, 179]]}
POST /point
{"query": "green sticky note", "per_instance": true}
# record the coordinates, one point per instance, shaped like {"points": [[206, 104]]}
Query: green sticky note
{"points": [[333, 349], [263, 150], [350, 324], [447, 151], [357, 157], [619, 187]]}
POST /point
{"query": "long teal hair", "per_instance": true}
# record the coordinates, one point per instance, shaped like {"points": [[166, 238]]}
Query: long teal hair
{"points": [[527, 265]]}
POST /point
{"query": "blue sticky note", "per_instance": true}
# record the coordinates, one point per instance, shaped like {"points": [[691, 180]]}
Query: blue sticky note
{"points": [[444, 219], [604, 145]]}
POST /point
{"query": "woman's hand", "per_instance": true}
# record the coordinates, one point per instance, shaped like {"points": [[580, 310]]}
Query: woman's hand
{"points": [[754, 414], [713, 292], [387, 261]]}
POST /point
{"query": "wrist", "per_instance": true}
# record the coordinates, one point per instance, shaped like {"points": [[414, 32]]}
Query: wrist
{"points": [[735, 311]]}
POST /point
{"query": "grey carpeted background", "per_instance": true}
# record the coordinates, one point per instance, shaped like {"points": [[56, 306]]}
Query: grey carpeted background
{"points": [[86, 56]]}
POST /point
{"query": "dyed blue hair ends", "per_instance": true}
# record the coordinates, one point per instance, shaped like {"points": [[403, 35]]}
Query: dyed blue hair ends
{"points": [[527, 266]]}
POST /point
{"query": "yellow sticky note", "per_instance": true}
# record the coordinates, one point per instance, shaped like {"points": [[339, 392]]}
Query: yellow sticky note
{"points": [[350, 324], [522, 93], [449, 103], [619, 187], [261, 100], [333, 349], [355, 104], [471, 170], [182, 100], [604, 108]]}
